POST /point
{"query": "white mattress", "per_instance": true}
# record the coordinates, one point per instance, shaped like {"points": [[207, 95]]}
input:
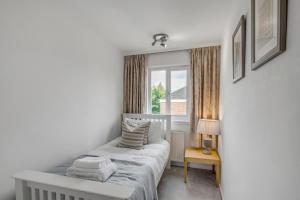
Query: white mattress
{"points": [[156, 155]]}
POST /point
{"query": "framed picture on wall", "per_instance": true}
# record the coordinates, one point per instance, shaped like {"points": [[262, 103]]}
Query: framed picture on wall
{"points": [[268, 30], [238, 50]]}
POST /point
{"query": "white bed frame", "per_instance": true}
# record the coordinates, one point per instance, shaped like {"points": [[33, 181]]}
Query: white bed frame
{"points": [[34, 185]]}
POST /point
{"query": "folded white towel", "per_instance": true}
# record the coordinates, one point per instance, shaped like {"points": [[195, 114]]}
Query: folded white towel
{"points": [[92, 174], [92, 162]]}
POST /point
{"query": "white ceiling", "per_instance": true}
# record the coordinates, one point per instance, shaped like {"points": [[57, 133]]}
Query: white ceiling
{"points": [[130, 24]]}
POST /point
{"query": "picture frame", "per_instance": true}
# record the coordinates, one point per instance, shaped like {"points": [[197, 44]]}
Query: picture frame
{"points": [[268, 30], [239, 50]]}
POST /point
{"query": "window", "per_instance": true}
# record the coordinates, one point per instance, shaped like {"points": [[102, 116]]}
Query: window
{"points": [[168, 91]]}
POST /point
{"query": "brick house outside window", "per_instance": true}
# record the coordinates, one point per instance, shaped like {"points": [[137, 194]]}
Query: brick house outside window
{"points": [[178, 103]]}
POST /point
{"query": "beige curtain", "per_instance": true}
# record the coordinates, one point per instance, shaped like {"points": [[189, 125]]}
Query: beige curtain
{"points": [[134, 84], [205, 81]]}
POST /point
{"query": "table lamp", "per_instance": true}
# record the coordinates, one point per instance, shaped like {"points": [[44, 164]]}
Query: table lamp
{"points": [[209, 127]]}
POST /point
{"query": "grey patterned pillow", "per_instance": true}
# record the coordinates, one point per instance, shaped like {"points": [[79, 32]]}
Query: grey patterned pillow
{"points": [[142, 124], [132, 137]]}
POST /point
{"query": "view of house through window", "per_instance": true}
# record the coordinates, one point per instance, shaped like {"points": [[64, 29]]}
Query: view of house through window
{"points": [[168, 91], [178, 92]]}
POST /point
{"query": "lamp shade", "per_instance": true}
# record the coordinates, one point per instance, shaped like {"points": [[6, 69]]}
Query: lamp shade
{"points": [[208, 126]]}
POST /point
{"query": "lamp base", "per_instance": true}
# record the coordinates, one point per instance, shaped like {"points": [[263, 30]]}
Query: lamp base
{"points": [[206, 151], [207, 144]]}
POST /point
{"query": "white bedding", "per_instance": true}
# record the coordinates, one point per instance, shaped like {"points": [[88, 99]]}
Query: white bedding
{"points": [[155, 155]]}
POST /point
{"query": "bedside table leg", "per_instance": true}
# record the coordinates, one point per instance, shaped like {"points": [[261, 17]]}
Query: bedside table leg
{"points": [[218, 174], [185, 170]]}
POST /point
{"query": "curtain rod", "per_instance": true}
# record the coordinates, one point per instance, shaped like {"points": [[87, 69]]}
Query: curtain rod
{"points": [[171, 50], [168, 51]]}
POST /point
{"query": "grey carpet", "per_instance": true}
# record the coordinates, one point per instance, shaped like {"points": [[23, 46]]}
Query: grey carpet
{"points": [[200, 185]]}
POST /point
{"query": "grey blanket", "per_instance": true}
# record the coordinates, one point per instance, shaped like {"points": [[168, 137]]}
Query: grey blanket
{"points": [[129, 173]]}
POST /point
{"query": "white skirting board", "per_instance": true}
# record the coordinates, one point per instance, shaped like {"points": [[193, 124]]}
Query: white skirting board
{"points": [[221, 192]]}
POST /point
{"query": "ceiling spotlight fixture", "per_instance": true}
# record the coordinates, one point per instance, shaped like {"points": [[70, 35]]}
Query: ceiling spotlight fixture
{"points": [[160, 37]]}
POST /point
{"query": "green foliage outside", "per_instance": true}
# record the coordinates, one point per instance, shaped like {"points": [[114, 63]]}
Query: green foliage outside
{"points": [[158, 92]]}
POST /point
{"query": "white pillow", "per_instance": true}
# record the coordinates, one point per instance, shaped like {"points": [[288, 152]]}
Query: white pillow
{"points": [[155, 132]]}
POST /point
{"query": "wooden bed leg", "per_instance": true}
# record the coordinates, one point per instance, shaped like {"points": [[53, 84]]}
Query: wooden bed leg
{"points": [[185, 170]]}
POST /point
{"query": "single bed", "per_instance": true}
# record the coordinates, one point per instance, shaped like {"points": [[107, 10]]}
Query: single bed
{"points": [[34, 185]]}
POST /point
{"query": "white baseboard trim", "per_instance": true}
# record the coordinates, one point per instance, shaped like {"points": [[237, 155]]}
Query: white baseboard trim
{"points": [[221, 192]]}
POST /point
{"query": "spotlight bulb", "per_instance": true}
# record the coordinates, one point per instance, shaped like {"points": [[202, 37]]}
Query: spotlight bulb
{"points": [[163, 45]]}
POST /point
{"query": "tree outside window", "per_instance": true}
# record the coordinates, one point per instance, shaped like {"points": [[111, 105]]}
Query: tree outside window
{"points": [[158, 92]]}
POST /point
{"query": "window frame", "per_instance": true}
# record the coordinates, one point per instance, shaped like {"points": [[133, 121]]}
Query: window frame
{"points": [[169, 69]]}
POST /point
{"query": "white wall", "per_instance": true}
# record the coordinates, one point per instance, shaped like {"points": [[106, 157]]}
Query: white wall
{"points": [[60, 87], [260, 116]]}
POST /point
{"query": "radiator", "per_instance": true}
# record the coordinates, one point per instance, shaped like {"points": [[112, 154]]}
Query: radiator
{"points": [[177, 146]]}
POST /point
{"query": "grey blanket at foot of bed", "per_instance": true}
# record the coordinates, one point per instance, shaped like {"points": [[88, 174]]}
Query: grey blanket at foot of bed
{"points": [[129, 173]]}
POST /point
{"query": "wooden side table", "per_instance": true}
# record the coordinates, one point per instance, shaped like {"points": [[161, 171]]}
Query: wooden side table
{"points": [[195, 155]]}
